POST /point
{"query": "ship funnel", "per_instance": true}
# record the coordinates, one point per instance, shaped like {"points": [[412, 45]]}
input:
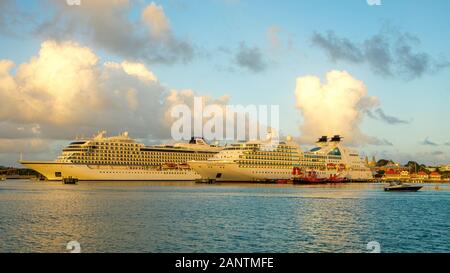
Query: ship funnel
{"points": [[336, 138], [197, 140], [322, 139]]}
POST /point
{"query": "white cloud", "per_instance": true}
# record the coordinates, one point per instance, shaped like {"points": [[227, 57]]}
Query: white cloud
{"points": [[53, 85], [107, 25], [65, 91], [65, 86], [153, 15], [333, 107], [138, 70], [186, 97]]}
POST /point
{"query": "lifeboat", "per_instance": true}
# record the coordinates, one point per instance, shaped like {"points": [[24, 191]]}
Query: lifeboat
{"points": [[296, 171], [170, 165]]}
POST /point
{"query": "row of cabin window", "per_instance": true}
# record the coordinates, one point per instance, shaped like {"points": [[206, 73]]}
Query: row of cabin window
{"points": [[108, 156], [122, 163], [135, 172]]}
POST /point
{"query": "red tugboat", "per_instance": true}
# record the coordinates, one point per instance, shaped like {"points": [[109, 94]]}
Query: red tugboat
{"points": [[309, 178], [335, 178], [312, 177]]}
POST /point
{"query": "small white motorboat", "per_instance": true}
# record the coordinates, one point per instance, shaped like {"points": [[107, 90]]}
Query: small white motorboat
{"points": [[400, 186]]}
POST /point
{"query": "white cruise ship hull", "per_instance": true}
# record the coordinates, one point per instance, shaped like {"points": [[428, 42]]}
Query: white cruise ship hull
{"points": [[231, 172], [55, 171], [223, 171], [359, 175]]}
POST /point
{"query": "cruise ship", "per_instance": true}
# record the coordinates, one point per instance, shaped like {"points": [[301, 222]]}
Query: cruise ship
{"points": [[122, 158], [264, 160], [331, 158]]}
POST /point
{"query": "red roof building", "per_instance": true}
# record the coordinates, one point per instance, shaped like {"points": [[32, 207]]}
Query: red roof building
{"points": [[435, 176], [391, 174]]}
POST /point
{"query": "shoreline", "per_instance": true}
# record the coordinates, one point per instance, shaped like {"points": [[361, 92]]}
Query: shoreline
{"points": [[34, 180]]}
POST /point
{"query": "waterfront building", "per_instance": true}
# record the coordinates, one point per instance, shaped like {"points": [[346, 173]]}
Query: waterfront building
{"points": [[391, 174], [444, 168], [435, 176], [431, 169], [419, 176], [404, 175], [372, 163]]}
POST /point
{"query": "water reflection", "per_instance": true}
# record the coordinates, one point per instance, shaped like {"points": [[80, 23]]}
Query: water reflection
{"points": [[188, 217]]}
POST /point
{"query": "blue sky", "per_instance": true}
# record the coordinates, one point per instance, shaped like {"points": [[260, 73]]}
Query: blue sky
{"points": [[217, 29]]}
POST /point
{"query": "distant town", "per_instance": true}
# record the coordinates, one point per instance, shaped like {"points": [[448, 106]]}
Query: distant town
{"points": [[412, 171]]}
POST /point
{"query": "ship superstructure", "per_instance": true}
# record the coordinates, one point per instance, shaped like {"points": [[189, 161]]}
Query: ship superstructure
{"points": [[330, 158]]}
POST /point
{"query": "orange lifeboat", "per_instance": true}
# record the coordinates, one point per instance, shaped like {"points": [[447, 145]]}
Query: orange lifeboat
{"points": [[296, 171]]}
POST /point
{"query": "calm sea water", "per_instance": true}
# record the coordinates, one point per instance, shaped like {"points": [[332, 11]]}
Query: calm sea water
{"points": [[188, 217]]}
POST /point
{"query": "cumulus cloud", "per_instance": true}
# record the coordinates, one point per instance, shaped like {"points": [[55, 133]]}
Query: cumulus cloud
{"points": [[221, 121], [66, 91], [335, 107], [65, 87], [250, 58], [388, 53], [133, 69], [226, 116], [186, 97], [107, 25]]}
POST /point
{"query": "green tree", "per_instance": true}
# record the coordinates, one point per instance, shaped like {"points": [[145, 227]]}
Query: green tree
{"points": [[382, 162]]}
